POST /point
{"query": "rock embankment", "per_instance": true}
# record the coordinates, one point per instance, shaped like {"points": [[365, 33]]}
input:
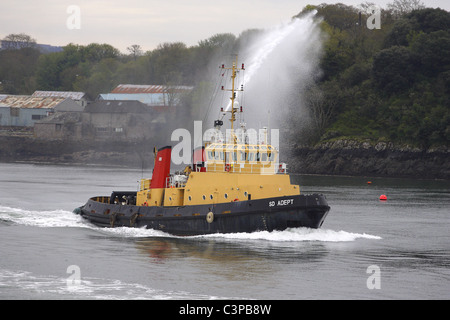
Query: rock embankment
{"points": [[350, 157]]}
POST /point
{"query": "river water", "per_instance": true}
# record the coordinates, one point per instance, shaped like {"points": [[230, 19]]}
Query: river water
{"points": [[366, 249]]}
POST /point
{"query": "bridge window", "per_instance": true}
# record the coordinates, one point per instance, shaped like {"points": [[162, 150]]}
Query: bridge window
{"points": [[218, 155]]}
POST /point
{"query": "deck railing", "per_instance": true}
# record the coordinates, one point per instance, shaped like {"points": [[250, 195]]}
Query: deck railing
{"points": [[253, 168]]}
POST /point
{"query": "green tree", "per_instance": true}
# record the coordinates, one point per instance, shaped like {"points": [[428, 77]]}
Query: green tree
{"points": [[16, 41], [339, 16], [400, 34], [17, 70], [401, 7], [394, 69], [167, 63], [433, 52], [47, 71], [430, 20], [95, 52], [75, 64], [100, 79]]}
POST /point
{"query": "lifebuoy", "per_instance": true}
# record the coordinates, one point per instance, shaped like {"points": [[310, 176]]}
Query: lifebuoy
{"points": [[227, 167], [210, 217], [145, 204]]}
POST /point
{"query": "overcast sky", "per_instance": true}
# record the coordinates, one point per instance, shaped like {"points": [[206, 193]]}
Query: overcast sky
{"points": [[150, 22]]}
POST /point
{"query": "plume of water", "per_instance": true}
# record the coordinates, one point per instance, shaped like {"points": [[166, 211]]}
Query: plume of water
{"points": [[279, 64]]}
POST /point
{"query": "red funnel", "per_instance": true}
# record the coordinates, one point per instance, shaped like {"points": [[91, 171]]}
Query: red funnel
{"points": [[161, 170]]}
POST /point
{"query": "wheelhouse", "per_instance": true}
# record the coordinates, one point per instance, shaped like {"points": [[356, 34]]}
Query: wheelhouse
{"points": [[243, 158]]}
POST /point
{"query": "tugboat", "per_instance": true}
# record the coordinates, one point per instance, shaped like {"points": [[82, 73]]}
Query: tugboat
{"points": [[231, 187]]}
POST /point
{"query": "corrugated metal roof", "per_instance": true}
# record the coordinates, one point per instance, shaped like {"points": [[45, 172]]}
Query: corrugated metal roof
{"points": [[151, 99], [141, 88], [116, 106], [62, 94], [31, 102], [61, 117]]}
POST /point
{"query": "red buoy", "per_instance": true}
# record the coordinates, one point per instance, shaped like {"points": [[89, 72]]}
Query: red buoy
{"points": [[383, 197]]}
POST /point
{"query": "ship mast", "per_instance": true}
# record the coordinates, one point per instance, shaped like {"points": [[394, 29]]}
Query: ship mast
{"points": [[234, 70]]}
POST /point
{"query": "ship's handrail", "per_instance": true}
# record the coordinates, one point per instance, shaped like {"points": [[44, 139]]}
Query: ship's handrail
{"points": [[101, 199], [253, 168], [176, 181]]}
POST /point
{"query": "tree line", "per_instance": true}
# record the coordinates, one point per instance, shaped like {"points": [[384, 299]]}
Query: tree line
{"points": [[97, 68], [388, 84]]}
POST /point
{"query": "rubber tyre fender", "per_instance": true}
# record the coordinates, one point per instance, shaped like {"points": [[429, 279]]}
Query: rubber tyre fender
{"points": [[210, 217]]}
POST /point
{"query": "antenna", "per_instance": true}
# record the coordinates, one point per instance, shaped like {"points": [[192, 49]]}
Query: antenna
{"points": [[268, 125], [234, 70]]}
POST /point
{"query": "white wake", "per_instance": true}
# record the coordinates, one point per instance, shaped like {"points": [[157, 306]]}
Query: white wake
{"points": [[68, 219]]}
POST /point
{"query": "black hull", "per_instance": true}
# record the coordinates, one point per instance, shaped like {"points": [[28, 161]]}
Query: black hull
{"points": [[268, 214]]}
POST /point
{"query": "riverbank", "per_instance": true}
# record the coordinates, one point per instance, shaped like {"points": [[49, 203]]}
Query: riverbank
{"points": [[382, 159], [340, 157], [111, 153]]}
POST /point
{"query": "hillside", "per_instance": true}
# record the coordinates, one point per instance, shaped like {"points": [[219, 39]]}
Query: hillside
{"points": [[391, 84]]}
